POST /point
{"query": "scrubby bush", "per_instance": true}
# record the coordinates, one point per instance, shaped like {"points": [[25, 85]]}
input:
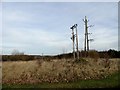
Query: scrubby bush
{"points": [[93, 54], [17, 57], [82, 54], [106, 61], [39, 62], [81, 60]]}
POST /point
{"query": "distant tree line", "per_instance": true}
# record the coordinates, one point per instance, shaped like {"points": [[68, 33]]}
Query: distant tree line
{"points": [[91, 54], [17, 57], [111, 53]]}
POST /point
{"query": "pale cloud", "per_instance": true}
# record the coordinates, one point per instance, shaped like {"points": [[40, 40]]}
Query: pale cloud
{"points": [[104, 38], [0, 28], [15, 16], [10, 16], [32, 38], [37, 28]]}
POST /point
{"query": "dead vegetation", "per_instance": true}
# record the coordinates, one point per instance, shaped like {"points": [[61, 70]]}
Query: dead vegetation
{"points": [[64, 70]]}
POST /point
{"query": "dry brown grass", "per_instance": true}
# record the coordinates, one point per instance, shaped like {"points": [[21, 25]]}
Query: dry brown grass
{"points": [[0, 73], [55, 70]]}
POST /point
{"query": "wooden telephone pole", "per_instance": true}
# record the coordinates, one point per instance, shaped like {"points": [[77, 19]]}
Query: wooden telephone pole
{"points": [[73, 39], [86, 44], [77, 42]]}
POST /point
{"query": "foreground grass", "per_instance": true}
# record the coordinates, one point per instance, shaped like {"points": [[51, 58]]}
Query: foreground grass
{"points": [[108, 82]]}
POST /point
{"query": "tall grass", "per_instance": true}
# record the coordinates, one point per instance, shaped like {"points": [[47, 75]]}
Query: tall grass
{"points": [[109, 82], [51, 71]]}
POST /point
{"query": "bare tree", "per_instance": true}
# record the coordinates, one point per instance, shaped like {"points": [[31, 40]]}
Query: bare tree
{"points": [[16, 52]]}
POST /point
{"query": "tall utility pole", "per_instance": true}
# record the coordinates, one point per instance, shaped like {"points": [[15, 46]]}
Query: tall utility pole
{"points": [[73, 39], [86, 36], [77, 41], [86, 46]]}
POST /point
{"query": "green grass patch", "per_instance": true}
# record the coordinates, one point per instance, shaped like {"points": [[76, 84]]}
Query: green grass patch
{"points": [[111, 81]]}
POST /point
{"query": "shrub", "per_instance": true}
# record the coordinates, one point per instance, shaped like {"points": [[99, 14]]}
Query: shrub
{"points": [[107, 62], [82, 54], [17, 57], [93, 54], [81, 60]]}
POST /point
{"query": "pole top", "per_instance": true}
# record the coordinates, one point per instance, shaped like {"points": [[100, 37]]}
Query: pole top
{"points": [[72, 27], [75, 25]]}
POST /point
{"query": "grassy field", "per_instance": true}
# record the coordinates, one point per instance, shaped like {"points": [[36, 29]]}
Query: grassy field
{"points": [[108, 82], [86, 73]]}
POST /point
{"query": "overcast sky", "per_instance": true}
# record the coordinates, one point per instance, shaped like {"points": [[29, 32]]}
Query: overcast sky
{"points": [[44, 27]]}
